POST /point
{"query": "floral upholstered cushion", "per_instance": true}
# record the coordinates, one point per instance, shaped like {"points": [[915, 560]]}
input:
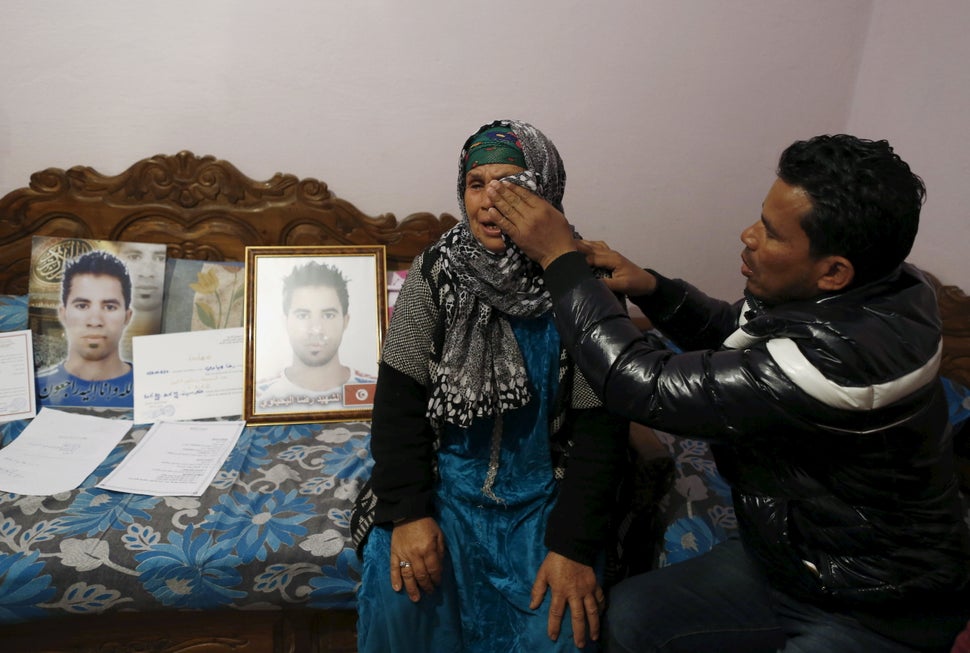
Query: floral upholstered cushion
{"points": [[13, 312], [698, 511]]}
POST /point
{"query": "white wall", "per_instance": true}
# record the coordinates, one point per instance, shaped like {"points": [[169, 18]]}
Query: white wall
{"points": [[670, 114], [914, 90]]}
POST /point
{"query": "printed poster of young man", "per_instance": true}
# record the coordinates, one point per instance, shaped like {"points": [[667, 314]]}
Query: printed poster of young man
{"points": [[83, 300]]}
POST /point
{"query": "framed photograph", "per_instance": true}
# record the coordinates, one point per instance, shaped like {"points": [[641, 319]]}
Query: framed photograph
{"points": [[314, 321]]}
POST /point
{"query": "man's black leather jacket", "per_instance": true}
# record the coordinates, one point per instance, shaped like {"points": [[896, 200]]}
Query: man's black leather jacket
{"points": [[826, 416]]}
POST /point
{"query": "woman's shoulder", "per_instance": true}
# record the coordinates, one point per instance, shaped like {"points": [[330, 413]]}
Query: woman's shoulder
{"points": [[430, 267]]}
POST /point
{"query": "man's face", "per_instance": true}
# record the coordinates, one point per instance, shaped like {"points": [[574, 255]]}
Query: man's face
{"points": [[146, 266], [315, 324], [776, 259], [94, 316]]}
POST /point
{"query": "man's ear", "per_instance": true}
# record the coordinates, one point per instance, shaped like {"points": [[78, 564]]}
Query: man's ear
{"points": [[836, 273]]}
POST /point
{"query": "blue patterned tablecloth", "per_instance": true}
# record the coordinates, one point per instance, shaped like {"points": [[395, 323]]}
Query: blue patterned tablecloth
{"points": [[272, 530]]}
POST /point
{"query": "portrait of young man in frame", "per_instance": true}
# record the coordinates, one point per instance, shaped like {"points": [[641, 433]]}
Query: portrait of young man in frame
{"points": [[315, 320]]}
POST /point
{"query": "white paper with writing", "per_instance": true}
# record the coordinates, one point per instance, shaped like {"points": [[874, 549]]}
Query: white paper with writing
{"points": [[185, 376], [17, 396], [175, 459], [57, 451]]}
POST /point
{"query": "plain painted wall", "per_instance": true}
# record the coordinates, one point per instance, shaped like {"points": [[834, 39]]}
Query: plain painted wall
{"points": [[914, 90], [669, 114]]}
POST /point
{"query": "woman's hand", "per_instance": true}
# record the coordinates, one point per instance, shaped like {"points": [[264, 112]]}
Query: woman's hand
{"points": [[417, 550], [573, 584]]}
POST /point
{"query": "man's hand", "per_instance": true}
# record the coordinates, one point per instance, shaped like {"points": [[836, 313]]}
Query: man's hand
{"points": [[574, 584], [626, 277], [421, 544], [531, 222]]}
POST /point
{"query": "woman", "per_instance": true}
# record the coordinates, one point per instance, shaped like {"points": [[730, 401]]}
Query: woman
{"points": [[495, 467]]}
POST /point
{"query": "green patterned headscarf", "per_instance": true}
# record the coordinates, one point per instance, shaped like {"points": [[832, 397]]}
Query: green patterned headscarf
{"points": [[494, 145]]}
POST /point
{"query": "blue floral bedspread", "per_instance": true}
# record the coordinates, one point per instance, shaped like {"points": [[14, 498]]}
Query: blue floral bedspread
{"points": [[698, 510], [271, 531]]}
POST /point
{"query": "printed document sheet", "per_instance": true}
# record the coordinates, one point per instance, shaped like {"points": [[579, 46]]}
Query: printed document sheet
{"points": [[191, 375], [175, 459], [57, 451], [16, 376]]}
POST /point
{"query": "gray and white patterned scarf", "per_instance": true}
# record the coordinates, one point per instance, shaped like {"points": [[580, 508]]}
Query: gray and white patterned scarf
{"points": [[481, 372]]}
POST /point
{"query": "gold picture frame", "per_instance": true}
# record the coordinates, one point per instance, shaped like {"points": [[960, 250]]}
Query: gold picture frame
{"points": [[315, 318]]}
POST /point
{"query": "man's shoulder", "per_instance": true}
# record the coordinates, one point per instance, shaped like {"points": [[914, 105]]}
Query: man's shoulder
{"points": [[844, 349]]}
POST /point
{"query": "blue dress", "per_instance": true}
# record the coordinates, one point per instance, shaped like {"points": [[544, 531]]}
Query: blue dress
{"points": [[494, 495]]}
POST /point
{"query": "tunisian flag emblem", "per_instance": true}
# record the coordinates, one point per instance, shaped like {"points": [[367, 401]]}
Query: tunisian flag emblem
{"points": [[359, 394]]}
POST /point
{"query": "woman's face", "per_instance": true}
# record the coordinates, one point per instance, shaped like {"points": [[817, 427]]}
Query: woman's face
{"points": [[477, 203]]}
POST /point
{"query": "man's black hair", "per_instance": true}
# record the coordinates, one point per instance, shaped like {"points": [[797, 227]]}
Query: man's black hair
{"points": [[315, 274], [865, 201], [96, 262]]}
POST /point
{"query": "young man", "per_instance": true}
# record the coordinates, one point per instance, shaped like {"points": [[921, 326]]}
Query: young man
{"points": [[95, 309], [315, 303], [820, 395]]}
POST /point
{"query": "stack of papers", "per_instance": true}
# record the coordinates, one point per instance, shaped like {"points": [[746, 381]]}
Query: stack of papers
{"points": [[175, 459], [59, 450]]}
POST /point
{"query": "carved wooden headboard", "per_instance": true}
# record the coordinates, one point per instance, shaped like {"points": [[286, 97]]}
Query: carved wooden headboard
{"points": [[201, 207]]}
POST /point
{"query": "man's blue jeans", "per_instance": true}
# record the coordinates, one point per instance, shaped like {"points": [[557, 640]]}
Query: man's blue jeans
{"points": [[720, 602]]}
